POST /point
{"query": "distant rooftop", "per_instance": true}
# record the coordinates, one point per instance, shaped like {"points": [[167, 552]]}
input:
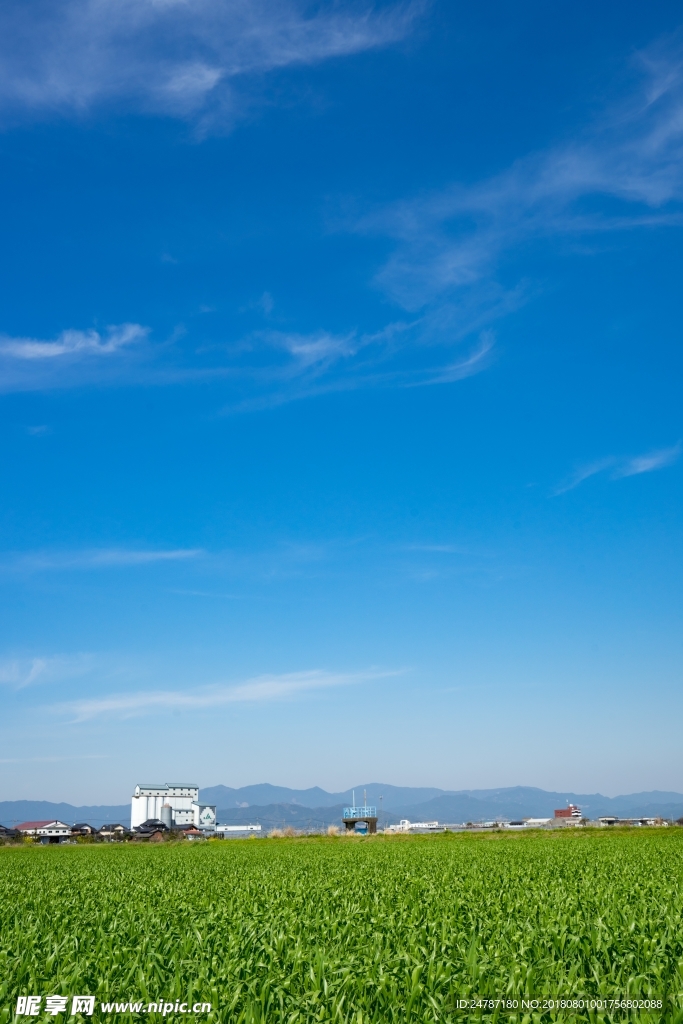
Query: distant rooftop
{"points": [[40, 824], [168, 785]]}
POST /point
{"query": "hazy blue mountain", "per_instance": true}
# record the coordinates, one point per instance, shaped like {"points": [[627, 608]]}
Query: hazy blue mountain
{"points": [[282, 815], [265, 794], [13, 812], [520, 802], [455, 810], [452, 805]]}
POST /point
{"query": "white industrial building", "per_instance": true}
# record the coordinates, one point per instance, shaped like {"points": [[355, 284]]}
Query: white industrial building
{"points": [[237, 830], [409, 826], [174, 803]]}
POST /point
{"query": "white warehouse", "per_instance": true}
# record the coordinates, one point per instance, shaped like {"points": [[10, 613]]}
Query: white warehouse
{"points": [[174, 803]]}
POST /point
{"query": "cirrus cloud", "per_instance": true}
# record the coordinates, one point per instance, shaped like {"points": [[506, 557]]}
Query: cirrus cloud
{"points": [[622, 467], [174, 57], [449, 244], [74, 357], [97, 558], [20, 672], [73, 343], [258, 690]]}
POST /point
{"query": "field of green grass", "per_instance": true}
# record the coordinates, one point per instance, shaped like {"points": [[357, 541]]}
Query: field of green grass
{"points": [[352, 930]]}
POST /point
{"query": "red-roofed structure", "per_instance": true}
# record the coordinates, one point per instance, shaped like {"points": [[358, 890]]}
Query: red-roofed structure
{"points": [[51, 830]]}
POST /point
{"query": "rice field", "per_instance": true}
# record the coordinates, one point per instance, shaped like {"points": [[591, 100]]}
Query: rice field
{"points": [[433, 928]]}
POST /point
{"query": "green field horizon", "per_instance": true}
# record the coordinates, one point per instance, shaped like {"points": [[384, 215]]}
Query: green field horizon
{"points": [[403, 928]]}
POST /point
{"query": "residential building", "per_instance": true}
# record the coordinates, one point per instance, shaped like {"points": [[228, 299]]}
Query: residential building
{"points": [[114, 831], [46, 831], [82, 828]]}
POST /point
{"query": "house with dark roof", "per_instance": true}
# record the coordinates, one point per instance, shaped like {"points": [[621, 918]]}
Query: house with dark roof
{"points": [[82, 828], [152, 828], [114, 831]]}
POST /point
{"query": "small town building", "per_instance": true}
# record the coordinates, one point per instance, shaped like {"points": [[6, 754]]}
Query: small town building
{"points": [[415, 826], [47, 831], [114, 831], [194, 833], [82, 828], [149, 826], [571, 811], [228, 831]]}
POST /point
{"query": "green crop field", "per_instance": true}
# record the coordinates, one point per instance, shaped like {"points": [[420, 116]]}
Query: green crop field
{"points": [[376, 929]]}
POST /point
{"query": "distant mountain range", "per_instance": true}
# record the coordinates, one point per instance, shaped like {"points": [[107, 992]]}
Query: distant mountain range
{"points": [[315, 808], [264, 794], [13, 812], [430, 804]]}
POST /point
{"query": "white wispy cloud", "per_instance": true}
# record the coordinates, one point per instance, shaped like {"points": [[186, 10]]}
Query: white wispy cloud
{"points": [[448, 246], [316, 351], [321, 362], [56, 668], [54, 759], [187, 59], [622, 467], [74, 357], [98, 558], [450, 243], [476, 361], [260, 689], [649, 462], [438, 549], [73, 343], [585, 473]]}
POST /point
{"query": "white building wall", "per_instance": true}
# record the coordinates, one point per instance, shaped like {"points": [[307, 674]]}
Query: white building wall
{"points": [[204, 816]]}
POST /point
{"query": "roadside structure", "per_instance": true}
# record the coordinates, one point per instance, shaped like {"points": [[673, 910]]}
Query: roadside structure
{"points": [[353, 818]]}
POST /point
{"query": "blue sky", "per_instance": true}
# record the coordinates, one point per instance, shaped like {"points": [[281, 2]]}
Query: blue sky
{"points": [[340, 376]]}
